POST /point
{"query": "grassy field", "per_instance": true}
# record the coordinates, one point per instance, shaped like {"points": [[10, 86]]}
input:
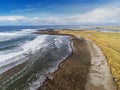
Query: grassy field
{"points": [[111, 28], [109, 44]]}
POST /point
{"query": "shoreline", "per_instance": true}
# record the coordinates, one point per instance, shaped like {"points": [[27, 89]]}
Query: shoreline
{"points": [[16, 69], [53, 82], [70, 72], [74, 74]]}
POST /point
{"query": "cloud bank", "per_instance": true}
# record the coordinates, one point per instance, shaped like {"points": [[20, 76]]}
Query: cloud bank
{"points": [[99, 15]]}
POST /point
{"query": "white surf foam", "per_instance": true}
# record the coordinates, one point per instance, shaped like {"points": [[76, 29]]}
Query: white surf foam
{"points": [[36, 44], [14, 34], [27, 48], [7, 35], [25, 31]]}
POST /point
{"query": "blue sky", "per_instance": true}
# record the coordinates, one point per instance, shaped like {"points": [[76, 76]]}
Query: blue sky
{"points": [[37, 12]]}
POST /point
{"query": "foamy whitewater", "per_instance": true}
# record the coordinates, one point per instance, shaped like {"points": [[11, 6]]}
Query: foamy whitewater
{"points": [[40, 53]]}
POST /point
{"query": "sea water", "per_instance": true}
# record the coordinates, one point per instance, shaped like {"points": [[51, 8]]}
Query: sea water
{"points": [[40, 53]]}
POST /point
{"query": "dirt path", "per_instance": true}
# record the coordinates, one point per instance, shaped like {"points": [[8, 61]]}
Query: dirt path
{"points": [[99, 77]]}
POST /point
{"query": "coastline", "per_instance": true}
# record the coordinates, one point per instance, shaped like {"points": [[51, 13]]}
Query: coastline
{"points": [[72, 72], [76, 72], [10, 73], [59, 79]]}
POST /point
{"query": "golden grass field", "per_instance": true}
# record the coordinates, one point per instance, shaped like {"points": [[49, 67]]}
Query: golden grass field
{"points": [[111, 28], [109, 44]]}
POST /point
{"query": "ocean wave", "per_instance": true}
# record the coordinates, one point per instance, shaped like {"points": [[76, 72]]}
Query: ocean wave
{"points": [[15, 34], [43, 54], [4, 36], [36, 44], [26, 49]]}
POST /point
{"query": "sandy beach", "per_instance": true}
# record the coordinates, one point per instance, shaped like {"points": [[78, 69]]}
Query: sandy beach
{"points": [[73, 72], [85, 69], [100, 77]]}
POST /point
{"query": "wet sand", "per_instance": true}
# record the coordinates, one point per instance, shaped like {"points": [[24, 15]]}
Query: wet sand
{"points": [[73, 72]]}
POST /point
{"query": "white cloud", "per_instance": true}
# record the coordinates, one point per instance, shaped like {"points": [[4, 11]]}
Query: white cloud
{"points": [[99, 15], [12, 18]]}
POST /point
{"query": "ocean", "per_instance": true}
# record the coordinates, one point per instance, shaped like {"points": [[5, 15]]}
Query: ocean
{"points": [[26, 59]]}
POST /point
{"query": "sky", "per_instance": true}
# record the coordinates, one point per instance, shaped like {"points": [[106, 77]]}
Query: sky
{"points": [[59, 12]]}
